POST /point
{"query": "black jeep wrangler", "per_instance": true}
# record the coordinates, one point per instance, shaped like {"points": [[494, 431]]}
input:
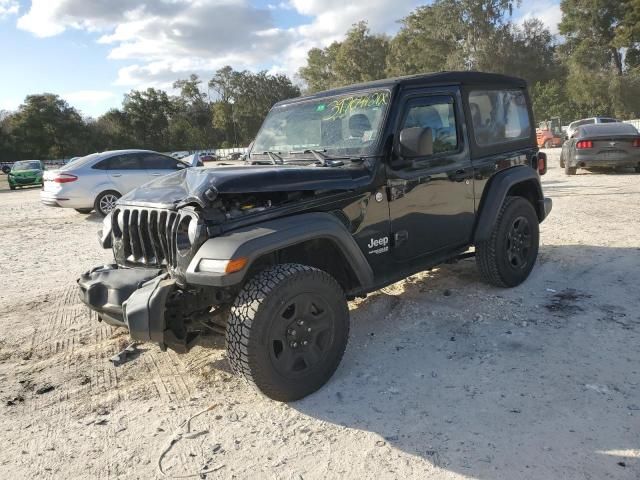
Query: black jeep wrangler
{"points": [[346, 191]]}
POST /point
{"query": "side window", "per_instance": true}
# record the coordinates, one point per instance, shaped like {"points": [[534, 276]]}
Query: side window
{"points": [[437, 114], [159, 162], [130, 161], [102, 164], [499, 116]]}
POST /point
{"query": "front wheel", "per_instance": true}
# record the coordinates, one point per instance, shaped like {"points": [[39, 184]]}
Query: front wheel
{"points": [[12, 187], [105, 202], [287, 331], [507, 257], [84, 211]]}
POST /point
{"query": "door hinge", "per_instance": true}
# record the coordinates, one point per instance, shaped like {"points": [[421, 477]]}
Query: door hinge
{"points": [[400, 237]]}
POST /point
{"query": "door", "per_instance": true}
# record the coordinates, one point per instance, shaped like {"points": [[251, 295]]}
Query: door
{"points": [[159, 165], [127, 172], [431, 199]]}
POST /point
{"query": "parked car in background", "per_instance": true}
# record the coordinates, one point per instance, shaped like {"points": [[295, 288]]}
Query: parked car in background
{"points": [[179, 155], [605, 145], [573, 126], [98, 180], [6, 168], [25, 173]]}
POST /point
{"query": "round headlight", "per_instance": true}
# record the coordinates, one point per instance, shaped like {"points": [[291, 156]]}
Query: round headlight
{"points": [[183, 237]]}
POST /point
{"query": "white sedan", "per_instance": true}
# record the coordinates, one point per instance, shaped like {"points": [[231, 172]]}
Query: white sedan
{"points": [[98, 180]]}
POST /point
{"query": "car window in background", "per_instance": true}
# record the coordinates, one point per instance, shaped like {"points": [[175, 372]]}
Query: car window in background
{"points": [[33, 165], [80, 162], [132, 161], [154, 161], [608, 120], [499, 116]]}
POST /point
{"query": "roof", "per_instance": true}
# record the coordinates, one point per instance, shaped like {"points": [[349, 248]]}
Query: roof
{"points": [[427, 79], [606, 129]]}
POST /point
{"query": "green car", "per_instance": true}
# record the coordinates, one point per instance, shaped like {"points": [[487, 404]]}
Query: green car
{"points": [[26, 173]]}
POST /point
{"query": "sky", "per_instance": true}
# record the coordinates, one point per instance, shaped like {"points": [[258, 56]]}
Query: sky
{"points": [[91, 52]]}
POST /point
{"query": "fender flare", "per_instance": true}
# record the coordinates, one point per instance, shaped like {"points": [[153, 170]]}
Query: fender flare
{"points": [[495, 193], [254, 241]]}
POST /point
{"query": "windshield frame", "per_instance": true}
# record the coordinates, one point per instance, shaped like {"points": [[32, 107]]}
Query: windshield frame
{"points": [[372, 149]]}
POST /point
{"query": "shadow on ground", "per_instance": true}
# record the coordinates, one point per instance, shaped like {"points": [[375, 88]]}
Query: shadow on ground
{"points": [[540, 381]]}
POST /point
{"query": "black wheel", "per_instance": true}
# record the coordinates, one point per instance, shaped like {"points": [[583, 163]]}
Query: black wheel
{"points": [[569, 170], [12, 187], [507, 257], [287, 331], [106, 201], [84, 211]]}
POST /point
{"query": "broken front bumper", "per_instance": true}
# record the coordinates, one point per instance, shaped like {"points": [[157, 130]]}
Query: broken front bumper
{"points": [[129, 297]]}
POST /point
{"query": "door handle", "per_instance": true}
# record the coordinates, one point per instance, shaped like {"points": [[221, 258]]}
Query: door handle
{"points": [[156, 174], [116, 174]]}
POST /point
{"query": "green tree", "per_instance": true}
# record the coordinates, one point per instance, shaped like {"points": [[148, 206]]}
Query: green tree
{"points": [[148, 115], [45, 126], [360, 57]]}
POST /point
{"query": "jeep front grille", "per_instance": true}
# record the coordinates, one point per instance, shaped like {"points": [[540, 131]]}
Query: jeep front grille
{"points": [[148, 235]]}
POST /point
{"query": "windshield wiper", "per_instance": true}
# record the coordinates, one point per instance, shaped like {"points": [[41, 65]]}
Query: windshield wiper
{"points": [[275, 157], [320, 156]]}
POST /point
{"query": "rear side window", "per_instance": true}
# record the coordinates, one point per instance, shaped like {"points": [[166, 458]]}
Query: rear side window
{"points": [[126, 162], [499, 116], [154, 161]]}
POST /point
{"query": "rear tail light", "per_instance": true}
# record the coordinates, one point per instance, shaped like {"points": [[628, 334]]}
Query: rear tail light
{"points": [[636, 142], [64, 178], [582, 144], [542, 163]]}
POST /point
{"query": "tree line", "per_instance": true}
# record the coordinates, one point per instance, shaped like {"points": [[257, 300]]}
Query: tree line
{"points": [[592, 69]]}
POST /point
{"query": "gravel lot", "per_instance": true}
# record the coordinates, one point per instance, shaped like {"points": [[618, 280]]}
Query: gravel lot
{"points": [[444, 377]]}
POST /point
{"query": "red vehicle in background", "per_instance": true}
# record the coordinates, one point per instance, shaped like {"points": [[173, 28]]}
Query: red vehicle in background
{"points": [[549, 133]]}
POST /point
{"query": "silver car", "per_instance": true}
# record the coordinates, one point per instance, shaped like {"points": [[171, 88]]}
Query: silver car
{"points": [[98, 180], [609, 145], [573, 126]]}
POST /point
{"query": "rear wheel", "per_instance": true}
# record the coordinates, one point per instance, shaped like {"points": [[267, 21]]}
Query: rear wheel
{"points": [[106, 202], [12, 187], [569, 170], [84, 211], [287, 331], [507, 257]]}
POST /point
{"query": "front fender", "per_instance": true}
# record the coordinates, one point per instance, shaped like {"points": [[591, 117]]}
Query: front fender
{"points": [[257, 240]]}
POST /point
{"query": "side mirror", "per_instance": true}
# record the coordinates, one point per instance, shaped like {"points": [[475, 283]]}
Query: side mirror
{"points": [[416, 142]]}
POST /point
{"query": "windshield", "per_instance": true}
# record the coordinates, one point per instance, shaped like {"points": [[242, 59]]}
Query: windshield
{"points": [[80, 161], [341, 125], [30, 165]]}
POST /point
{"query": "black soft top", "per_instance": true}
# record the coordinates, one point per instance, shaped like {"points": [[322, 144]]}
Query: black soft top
{"points": [[425, 79]]}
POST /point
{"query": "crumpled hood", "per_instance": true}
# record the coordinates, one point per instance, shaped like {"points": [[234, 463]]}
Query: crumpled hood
{"points": [[197, 185]]}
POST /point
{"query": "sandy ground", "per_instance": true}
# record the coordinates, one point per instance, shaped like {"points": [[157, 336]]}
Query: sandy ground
{"points": [[443, 378]]}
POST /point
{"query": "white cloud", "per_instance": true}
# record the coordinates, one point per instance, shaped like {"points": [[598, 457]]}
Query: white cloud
{"points": [[547, 11], [167, 39], [8, 7]]}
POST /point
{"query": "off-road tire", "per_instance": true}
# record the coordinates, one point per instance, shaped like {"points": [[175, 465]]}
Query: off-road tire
{"points": [[492, 255], [99, 201], [257, 317], [569, 170], [84, 211]]}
